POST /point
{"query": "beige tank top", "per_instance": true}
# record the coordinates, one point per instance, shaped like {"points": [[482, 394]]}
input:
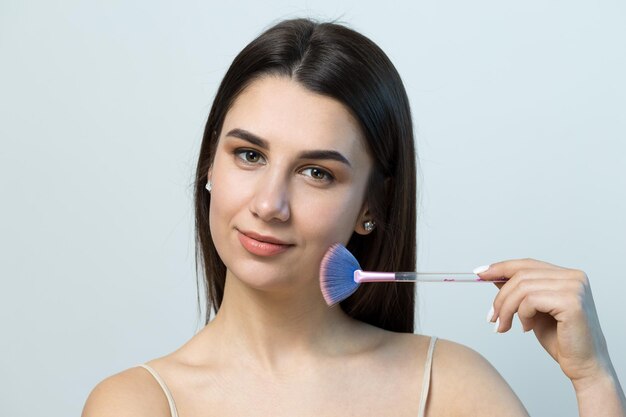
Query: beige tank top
{"points": [[423, 395]]}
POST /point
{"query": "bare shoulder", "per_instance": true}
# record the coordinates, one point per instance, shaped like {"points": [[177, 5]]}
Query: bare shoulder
{"points": [[133, 392], [464, 383]]}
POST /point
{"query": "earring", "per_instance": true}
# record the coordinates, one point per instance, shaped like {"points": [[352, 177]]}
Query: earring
{"points": [[369, 225], [208, 186]]}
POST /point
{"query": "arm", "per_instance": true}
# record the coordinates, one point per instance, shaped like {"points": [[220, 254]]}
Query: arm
{"points": [[465, 384]]}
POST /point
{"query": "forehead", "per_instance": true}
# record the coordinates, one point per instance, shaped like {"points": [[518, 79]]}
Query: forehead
{"points": [[286, 114]]}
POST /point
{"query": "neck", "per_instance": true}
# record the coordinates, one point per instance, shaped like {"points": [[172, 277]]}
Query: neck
{"points": [[281, 330]]}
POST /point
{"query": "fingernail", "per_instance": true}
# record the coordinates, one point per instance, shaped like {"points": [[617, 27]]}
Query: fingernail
{"points": [[495, 327], [480, 269], [490, 314]]}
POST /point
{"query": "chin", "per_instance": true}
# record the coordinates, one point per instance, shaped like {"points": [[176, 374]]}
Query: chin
{"points": [[266, 279]]}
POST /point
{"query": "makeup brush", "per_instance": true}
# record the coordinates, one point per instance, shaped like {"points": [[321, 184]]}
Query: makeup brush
{"points": [[341, 275]]}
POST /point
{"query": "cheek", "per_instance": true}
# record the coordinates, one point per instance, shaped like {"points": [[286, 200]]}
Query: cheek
{"points": [[329, 221], [229, 194]]}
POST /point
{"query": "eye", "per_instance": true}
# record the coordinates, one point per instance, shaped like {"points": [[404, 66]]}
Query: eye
{"points": [[248, 156], [319, 174]]}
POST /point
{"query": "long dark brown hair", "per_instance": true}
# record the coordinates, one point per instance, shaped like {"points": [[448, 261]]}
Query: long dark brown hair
{"points": [[335, 61]]}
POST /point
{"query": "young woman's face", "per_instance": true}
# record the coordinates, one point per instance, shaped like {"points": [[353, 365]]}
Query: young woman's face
{"points": [[291, 167]]}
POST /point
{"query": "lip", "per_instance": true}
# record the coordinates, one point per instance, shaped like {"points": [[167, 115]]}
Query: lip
{"points": [[262, 245], [262, 238]]}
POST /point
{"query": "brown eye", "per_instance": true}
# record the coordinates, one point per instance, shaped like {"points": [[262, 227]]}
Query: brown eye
{"points": [[248, 156], [319, 174], [252, 156]]}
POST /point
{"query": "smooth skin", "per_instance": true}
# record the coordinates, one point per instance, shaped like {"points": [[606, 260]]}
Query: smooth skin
{"points": [[274, 347]]}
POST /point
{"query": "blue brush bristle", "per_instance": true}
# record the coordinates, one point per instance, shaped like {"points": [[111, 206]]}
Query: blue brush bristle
{"points": [[337, 274]]}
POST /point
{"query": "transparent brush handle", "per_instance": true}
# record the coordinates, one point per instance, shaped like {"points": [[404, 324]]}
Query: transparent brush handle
{"points": [[366, 276]]}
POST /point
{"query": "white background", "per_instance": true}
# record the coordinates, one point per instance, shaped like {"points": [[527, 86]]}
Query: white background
{"points": [[520, 120]]}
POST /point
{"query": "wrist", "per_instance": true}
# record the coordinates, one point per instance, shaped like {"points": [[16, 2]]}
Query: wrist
{"points": [[601, 393], [600, 374], [603, 379]]}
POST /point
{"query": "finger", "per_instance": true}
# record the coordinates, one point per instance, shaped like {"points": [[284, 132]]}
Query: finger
{"points": [[538, 302], [506, 269], [533, 274], [511, 303], [534, 312], [529, 275]]}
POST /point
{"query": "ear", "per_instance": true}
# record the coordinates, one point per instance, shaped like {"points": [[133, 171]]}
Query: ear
{"points": [[363, 217]]}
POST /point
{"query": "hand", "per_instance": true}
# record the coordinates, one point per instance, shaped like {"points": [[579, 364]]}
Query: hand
{"points": [[556, 303]]}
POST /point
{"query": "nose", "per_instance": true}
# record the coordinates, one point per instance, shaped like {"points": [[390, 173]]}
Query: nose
{"points": [[271, 198]]}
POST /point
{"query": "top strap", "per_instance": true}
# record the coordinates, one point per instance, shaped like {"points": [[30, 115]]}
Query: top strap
{"points": [[423, 397], [168, 394], [426, 380]]}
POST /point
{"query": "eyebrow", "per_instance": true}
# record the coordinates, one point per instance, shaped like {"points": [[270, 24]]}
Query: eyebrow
{"points": [[314, 154]]}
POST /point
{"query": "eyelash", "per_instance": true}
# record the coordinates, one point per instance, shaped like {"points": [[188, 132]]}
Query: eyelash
{"points": [[329, 177]]}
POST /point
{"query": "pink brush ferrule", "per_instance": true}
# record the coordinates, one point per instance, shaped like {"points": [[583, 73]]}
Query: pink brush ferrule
{"points": [[360, 276]]}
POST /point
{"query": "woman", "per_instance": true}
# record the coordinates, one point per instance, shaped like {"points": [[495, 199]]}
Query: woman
{"points": [[309, 142]]}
